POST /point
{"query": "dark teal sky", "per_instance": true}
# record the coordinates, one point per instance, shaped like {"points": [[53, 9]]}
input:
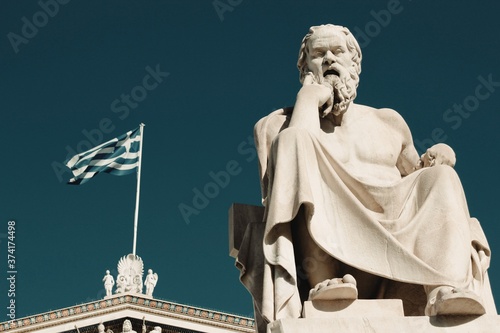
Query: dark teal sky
{"points": [[72, 75]]}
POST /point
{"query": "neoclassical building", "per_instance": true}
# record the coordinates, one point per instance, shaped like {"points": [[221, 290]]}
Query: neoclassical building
{"points": [[138, 309], [129, 306]]}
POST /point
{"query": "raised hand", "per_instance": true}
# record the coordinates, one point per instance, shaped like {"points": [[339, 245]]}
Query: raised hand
{"points": [[315, 88]]}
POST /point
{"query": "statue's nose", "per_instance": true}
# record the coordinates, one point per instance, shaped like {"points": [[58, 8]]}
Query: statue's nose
{"points": [[329, 58]]}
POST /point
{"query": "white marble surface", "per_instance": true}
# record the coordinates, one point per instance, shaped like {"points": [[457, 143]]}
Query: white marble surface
{"points": [[362, 324], [344, 187]]}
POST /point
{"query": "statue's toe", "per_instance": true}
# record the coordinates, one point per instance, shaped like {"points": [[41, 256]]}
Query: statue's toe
{"points": [[335, 289], [348, 278]]}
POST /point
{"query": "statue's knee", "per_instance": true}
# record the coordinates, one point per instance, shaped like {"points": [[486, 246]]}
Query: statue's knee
{"points": [[441, 173]]}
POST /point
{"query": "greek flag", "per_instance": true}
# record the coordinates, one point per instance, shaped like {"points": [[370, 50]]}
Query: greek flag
{"points": [[119, 157]]}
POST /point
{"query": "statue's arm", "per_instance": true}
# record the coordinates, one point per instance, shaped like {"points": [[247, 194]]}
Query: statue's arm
{"points": [[310, 98], [408, 160]]}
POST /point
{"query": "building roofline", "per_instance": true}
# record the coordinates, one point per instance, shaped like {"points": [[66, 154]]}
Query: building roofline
{"points": [[119, 302]]}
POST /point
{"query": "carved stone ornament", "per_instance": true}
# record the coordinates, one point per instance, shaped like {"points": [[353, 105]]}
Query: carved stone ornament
{"points": [[130, 271]]}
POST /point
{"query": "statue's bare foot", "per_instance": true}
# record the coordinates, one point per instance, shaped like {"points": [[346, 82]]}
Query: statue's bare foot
{"points": [[452, 301], [338, 288]]}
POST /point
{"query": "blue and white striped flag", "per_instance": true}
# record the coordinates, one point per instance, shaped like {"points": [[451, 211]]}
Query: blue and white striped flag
{"points": [[119, 157]]}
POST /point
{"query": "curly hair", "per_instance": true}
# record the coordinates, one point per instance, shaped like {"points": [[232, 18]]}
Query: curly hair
{"points": [[352, 46]]}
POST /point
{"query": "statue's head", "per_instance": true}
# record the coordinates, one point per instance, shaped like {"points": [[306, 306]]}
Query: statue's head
{"points": [[332, 54], [100, 328], [328, 30], [127, 326], [438, 154], [107, 272], [150, 271]]}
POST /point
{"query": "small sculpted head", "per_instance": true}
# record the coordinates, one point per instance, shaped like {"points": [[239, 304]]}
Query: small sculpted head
{"points": [[150, 271], [438, 154], [107, 272], [127, 326], [332, 54]]}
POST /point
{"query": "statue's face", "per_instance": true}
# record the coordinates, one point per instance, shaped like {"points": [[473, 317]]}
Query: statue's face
{"points": [[330, 60], [328, 57], [127, 326]]}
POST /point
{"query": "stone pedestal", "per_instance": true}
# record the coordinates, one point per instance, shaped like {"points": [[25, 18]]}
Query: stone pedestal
{"points": [[361, 324], [377, 316], [353, 308]]}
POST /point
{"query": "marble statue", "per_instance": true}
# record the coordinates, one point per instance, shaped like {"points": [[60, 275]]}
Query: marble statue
{"points": [[351, 209], [100, 328], [109, 282], [150, 282], [130, 271], [156, 329], [127, 327]]}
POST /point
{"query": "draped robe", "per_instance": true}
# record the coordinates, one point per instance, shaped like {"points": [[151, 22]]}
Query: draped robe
{"points": [[415, 230]]}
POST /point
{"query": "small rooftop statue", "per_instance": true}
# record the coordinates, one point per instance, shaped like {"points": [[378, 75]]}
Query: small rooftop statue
{"points": [[109, 282], [150, 282]]}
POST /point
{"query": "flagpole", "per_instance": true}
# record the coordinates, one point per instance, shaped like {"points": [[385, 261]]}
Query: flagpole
{"points": [[136, 217]]}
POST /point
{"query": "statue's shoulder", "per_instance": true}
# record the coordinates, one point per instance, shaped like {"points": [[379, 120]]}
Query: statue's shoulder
{"points": [[383, 113], [275, 116], [386, 115], [274, 122]]}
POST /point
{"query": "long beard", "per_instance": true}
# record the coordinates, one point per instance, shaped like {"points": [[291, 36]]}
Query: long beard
{"points": [[344, 90]]}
